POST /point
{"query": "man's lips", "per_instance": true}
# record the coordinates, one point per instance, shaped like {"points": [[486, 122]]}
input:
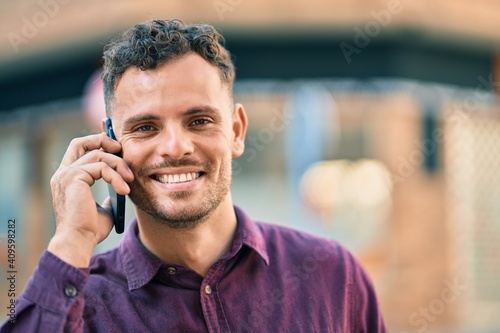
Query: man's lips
{"points": [[175, 178]]}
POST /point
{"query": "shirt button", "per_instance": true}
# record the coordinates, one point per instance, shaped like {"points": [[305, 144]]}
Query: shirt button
{"points": [[70, 291], [171, 270], [208, 289]]}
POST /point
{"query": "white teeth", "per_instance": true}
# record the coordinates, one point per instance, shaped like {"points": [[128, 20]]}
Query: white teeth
{"points": [[178, 178]]}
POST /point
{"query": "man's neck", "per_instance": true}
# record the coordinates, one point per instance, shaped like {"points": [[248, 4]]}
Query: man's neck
{"points": [[197, 248]]}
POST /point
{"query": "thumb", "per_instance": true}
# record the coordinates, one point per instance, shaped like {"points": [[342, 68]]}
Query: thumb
{"points": [[105, 219], [106, 205]]}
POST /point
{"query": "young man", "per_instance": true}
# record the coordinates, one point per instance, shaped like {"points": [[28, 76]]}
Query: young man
{"points": [[190, 261]]}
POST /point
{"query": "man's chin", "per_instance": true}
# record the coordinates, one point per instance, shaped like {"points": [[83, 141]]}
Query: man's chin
{"points": [[182, 209], [177, 215], [180, 194], [180, 220]]}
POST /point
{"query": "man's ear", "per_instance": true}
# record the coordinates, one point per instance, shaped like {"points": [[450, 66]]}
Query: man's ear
{"points": [[240, 124]]}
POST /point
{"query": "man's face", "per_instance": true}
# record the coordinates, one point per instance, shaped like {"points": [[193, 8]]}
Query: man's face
{"points": [[179, 131]]}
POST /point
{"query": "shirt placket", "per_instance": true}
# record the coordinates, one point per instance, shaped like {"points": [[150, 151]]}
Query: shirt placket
{"points": [[210, 301]]}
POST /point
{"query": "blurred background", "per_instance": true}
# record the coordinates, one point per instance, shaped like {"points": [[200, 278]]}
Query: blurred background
{"points": [[372, 122]]}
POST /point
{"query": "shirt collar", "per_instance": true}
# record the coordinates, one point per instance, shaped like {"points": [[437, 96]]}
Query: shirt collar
{"points": [[251, 234], [140, 266]]}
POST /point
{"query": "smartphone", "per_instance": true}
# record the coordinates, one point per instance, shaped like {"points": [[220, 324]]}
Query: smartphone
{"points": [[117, 200]]}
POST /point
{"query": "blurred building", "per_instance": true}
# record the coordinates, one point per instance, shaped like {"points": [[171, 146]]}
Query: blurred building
{"points": [[371, 122]]}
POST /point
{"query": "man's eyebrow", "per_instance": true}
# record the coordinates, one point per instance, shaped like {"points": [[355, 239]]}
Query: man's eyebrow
{"points": [[136, 119], [202, 109], [189, 112]]}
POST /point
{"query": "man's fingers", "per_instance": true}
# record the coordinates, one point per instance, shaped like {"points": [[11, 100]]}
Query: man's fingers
{"points": [[113, 161], [80, 146], [98, 170]]}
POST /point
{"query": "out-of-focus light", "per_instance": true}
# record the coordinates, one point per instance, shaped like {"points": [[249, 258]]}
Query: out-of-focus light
{"points": [[93, 103], [371, 184], [364, 184], [322, 185]]}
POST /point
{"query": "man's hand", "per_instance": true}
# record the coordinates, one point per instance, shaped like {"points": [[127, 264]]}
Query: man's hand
{"points": [[81, 223]]}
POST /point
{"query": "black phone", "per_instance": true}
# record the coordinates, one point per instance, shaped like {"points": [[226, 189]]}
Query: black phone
{"points": [[117, 200]]}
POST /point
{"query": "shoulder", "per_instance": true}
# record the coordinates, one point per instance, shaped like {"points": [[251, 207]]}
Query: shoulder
{"points": [[324, 275], [282, 237], [302, 247], [309, 260]]}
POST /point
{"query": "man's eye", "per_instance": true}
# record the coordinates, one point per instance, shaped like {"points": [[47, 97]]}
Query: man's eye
{"points": [[144, 128], [201, 121]]}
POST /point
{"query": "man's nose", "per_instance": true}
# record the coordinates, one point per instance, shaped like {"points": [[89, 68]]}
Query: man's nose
{"points": [[175, 142]]}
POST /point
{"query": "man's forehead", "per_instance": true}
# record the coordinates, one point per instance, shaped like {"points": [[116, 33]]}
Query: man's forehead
{"points": [[191, 68], [190, 79], [142, 78]]}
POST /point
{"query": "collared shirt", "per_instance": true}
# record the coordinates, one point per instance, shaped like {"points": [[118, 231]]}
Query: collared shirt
{"points": [[273, 279]]}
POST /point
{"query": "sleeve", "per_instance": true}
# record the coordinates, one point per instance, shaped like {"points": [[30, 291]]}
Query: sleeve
{"points": [[366, 315], [53, 299]]}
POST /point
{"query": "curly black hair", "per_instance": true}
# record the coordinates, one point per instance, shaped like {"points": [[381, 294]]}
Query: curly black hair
{"points": [[152, 43]]}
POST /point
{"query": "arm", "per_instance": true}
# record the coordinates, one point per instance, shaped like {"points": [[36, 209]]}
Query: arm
{"points": [[366, 315], [53, 300]]}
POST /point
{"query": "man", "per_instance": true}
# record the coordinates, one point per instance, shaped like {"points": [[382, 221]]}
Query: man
{"points": [[190, 261]]}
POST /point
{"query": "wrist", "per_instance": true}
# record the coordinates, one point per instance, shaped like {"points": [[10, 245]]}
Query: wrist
{"points": [[72, 248]]}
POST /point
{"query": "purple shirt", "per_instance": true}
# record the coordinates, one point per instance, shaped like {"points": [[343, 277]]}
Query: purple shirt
{"points": [[273, 279]]}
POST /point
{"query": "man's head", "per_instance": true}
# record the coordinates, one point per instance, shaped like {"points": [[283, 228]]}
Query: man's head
{"points": [[151, 44], [174, 116]]}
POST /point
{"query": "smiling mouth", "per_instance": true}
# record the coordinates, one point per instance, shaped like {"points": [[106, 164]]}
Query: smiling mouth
{"points": [[178, 178]]}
